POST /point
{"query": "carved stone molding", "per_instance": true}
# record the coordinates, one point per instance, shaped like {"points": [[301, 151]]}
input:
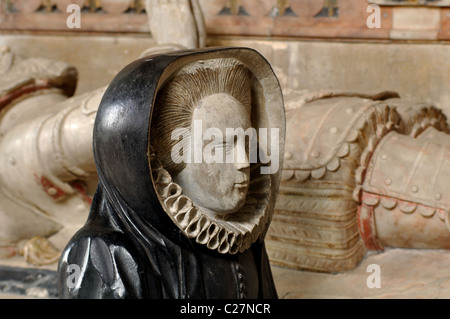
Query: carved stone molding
{"points": [[292, 18], [106, 6], [96, 15], [432, 3], [325, 19]]}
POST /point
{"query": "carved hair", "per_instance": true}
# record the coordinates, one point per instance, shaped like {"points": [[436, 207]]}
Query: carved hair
{"points": [[176, 102]]}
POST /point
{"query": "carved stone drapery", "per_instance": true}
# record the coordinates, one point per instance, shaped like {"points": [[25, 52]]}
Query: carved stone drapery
{"points": [[360, 173]]}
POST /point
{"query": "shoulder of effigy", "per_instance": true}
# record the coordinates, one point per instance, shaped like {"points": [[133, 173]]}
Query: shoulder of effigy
{"points": [[96, 240]]}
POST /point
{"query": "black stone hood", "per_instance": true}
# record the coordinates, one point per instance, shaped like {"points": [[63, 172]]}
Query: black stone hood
{"points": [[129, 247]]}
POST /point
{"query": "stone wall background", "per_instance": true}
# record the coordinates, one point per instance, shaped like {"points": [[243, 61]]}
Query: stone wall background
{"points": [[417, 71], [312, 44]]}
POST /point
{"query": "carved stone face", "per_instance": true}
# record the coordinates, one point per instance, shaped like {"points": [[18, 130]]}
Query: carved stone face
{"points": [[218, 187]]}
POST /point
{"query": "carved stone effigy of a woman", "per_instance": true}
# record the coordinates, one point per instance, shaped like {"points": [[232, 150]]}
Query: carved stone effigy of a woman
{"points": [[165, 223]]}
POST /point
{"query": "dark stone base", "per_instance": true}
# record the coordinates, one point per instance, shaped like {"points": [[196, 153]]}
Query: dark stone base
{"points": [[28, 282]]}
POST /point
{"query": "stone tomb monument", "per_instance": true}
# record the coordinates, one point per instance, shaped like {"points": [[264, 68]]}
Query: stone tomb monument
{"points": [[361, 171], [48, 175]]}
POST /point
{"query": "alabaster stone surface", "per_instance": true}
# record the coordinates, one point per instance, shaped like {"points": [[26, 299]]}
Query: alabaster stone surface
{"points": [[45, 163], [48, 174], [178, 22], [361, 173]]}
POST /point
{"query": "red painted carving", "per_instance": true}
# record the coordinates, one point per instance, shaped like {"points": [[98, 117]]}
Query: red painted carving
{"points": [[367, 227], [81, 188], [51, 190]]}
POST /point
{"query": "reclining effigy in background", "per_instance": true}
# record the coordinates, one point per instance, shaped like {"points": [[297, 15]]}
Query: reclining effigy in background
{"points": [[361, 173], [46, 158], [48, 175]]}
